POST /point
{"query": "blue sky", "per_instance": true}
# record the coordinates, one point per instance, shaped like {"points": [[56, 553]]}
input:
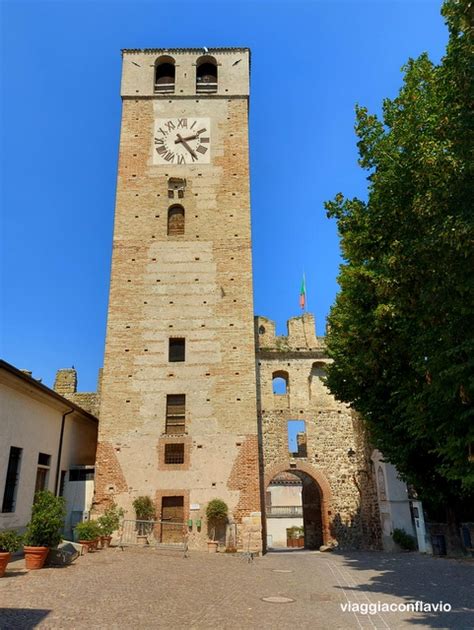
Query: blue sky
{"points": [[311, 62]]}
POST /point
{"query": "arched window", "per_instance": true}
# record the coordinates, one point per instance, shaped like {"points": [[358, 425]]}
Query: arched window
{"points": [[206, 75], [280, 382], [175, 221], [165, 73]]}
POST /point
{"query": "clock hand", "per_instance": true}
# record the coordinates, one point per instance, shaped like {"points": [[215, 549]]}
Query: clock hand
{"points": [[186, 145], [184, 139]]}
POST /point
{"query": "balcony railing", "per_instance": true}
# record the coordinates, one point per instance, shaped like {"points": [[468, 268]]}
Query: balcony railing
{"points": [[206, 87], [284, 511], [164, 88]]}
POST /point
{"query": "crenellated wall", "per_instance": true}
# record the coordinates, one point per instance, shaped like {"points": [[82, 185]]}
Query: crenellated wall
{"points": [[65, 384]]}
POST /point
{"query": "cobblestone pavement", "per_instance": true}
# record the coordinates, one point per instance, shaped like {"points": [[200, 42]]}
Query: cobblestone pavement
{"points": [[141, 588]]}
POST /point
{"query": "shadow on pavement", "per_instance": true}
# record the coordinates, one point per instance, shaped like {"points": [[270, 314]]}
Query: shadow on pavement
{"points": [[414, 577], [24, 618], [286, 549]]}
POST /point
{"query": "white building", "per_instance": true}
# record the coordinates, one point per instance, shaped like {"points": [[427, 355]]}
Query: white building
{"points": [[284, 508], [46, 442], [394, 502]]}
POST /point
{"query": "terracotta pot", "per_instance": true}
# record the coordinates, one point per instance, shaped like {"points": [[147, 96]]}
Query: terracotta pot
{"points": [[4, 560], [212, 546], [105, 540], [87, 545], [35, 557], [300, 542]]}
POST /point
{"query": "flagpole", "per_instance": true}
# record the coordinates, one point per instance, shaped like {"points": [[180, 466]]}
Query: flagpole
{"points": [[305, 292]]}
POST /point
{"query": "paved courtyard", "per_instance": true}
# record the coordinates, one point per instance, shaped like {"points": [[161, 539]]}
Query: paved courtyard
{"points": [[140, 588]]}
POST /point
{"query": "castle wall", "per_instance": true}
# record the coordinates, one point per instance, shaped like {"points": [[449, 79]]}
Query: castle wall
{"points": [[337, 448]]}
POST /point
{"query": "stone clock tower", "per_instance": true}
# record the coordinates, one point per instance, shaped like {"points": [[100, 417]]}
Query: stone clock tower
{"points": [[178, 418]]}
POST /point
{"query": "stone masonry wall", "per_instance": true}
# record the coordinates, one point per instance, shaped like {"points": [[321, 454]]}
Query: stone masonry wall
{"points": [[65, 384], [338, 453]]}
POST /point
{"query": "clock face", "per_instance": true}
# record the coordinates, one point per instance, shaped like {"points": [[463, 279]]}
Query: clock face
{"points": [[182, 141]]}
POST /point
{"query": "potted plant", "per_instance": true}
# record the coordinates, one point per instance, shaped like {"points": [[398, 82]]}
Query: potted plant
{"points": [[44, 529], [109, 522], [144, 512], [87, 534], [216, 514], [295, 536], [10, 541]]}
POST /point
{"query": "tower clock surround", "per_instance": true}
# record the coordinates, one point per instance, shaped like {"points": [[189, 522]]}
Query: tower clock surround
{"points": [[182, 140]]}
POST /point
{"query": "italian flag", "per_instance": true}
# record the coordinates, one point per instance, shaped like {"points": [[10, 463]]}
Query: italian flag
{"points": [[303, 293]]}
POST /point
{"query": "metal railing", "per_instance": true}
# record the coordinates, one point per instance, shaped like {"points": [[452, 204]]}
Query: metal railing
{"points": [[205, 87], [154, 534], [284, 511], [165, 88]]}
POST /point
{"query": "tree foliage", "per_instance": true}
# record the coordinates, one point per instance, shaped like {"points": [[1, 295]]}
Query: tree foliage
{"points": [[401, 331]]}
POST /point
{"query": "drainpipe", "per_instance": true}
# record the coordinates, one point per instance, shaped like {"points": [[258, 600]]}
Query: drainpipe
{"points": [[60, 449]]}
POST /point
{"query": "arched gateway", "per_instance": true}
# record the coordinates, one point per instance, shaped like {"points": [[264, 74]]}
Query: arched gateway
{"points": [[315, 500]]}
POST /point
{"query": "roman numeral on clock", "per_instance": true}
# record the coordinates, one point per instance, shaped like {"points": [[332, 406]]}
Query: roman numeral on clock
{"points": [[182, 123], [181, 159], [202, 150]]}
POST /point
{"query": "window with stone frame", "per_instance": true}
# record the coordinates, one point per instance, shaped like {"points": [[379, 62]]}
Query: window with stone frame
{"points": [[206, 75], [174, 453], [175, 413], [165, 75], [176, 221]]}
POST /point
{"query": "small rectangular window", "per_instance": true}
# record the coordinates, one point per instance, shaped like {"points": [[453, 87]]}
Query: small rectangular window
{"points": [[175, 413], [174, 453], [81, 474], [44, 460], [177, 350], [42, 472], [11, 483], [297, 443]]}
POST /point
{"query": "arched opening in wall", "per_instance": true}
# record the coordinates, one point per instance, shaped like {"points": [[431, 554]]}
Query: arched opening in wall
{"points": [[280, 383], [206, 75], [316, 382], [175, 221], [165, 74], [293, 512]]}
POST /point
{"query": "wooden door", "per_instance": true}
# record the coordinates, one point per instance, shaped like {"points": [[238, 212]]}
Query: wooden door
{"points": [[172, 515]]}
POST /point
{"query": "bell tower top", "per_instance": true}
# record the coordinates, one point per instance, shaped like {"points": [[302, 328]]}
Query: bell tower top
{"points": [[185, 72]]}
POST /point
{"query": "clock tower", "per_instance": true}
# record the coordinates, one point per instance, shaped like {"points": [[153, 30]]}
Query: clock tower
{"points": [[178, 417]]}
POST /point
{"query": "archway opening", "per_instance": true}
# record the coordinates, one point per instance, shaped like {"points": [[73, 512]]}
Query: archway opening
{"points": [[293, 509]]}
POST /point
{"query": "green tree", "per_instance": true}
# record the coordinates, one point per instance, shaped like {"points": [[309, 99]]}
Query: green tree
{"points": [[401, 331]]}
